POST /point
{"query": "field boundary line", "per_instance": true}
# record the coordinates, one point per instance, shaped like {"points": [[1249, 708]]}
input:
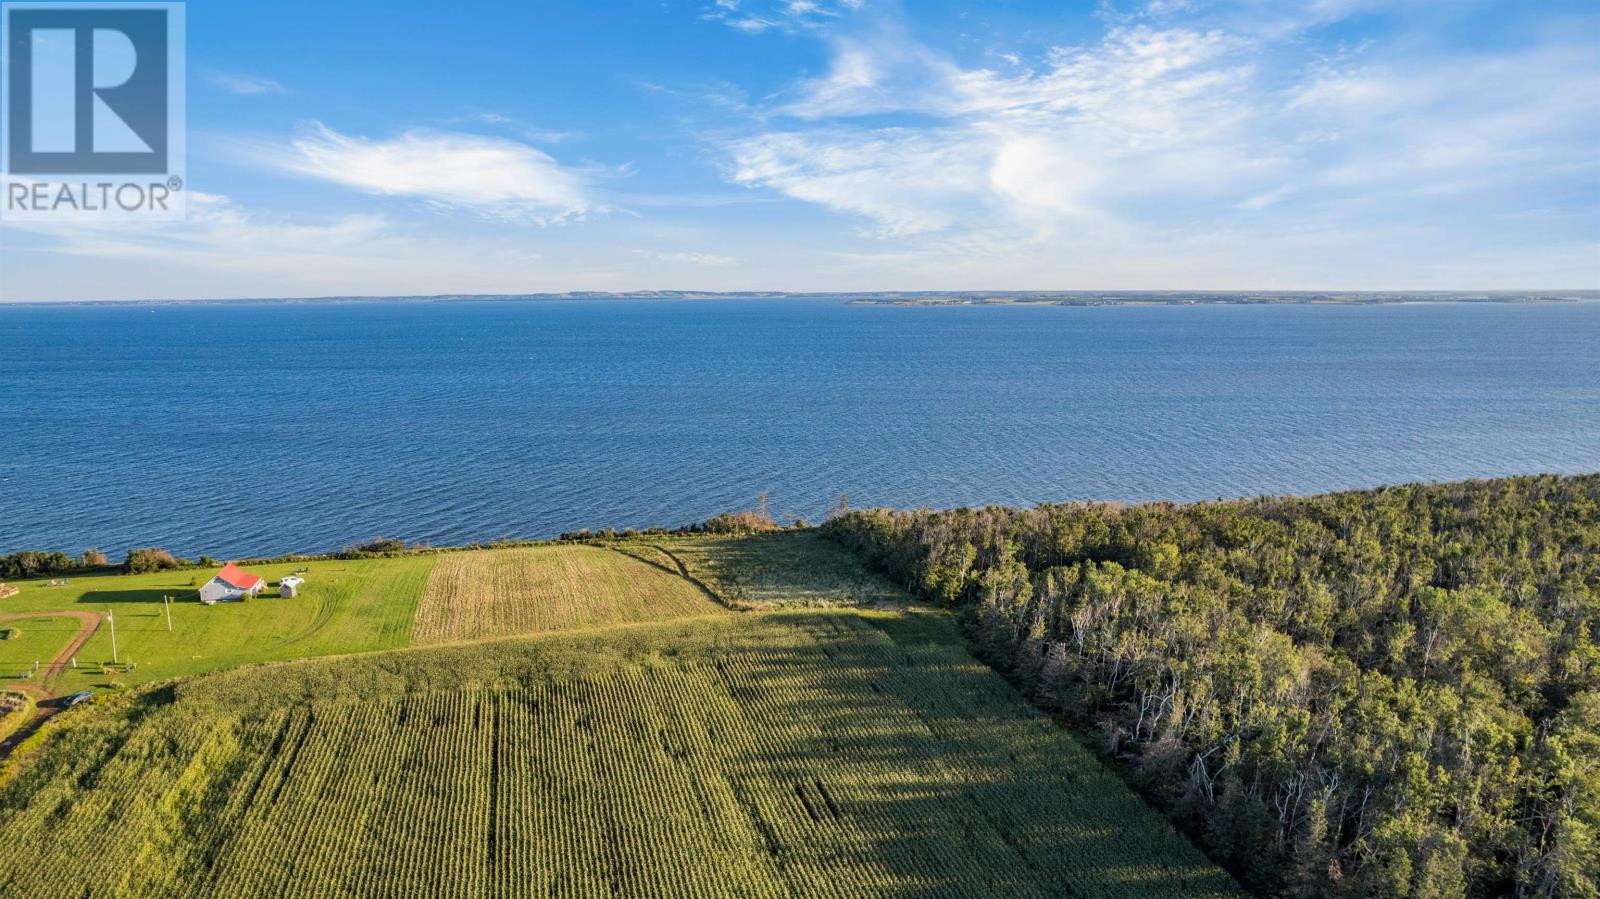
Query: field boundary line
{"points": [[682, 571]]}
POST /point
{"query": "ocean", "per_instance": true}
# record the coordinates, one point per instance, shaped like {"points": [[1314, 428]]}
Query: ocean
{"points": [[246, 429]]}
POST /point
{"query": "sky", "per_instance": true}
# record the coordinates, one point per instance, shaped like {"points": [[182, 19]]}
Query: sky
{"points": [[391, 148]]}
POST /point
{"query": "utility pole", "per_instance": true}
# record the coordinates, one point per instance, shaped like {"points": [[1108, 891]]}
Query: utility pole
{"points": [[166, 601], [113, 619]]}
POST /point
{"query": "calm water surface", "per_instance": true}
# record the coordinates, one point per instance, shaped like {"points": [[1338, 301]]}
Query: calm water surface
{"points": [[266, 428]]}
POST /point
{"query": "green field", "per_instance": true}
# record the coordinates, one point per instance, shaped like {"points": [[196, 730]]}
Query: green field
{"points": [[786, 568], [37, 640], [346, 606], [803, 753], [661, 746]]}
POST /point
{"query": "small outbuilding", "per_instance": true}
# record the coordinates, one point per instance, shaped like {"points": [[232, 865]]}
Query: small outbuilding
{"points": [[232, 582], [289, 587]]}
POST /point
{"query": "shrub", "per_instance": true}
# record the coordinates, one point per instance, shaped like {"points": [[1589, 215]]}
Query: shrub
{"points": [[377, 546], [148, 559], [10, 633], [94, 558], [750, 521], [33, 563]]}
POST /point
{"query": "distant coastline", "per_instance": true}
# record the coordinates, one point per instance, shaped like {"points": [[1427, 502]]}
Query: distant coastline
{"points": [[1227, 298], [937, 298]]}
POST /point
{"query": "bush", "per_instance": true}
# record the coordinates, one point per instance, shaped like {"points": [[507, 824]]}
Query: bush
{"points": [[10, 633], [33, 563], [94, 558], [378, 546], [750, 521], [149, 559]]}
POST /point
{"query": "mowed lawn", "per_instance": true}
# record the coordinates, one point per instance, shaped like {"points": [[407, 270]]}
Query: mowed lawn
{"points": [[834, 753], [507, 592], [345, 606], [37, 640]]}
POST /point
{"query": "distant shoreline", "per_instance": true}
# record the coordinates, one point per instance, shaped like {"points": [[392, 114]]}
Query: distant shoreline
{"points": [[1234, 299], [1084, 298]]}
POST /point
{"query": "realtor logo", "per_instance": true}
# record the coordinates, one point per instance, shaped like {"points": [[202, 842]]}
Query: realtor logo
{"points": [[94, 109]]}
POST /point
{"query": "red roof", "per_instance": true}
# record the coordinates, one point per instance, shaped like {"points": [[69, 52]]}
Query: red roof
{"points": [[234, 576]]}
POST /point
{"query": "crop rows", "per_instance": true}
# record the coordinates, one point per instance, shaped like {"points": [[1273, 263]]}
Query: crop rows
{"points": [[783, 755], [508, 592]]}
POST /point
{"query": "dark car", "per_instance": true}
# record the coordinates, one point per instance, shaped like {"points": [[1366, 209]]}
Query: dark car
{"points": [[74, 699]]}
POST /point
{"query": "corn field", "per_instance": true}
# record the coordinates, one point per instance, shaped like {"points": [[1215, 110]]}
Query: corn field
{"points": [[507, 592], [829, 754]]}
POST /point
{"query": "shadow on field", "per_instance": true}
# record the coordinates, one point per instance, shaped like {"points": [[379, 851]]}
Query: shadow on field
{"points": [[789, 567], [969, 791], [797, 753], [183, 593]]}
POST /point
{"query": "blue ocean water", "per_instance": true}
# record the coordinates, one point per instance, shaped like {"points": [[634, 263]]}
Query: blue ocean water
{"points": [[236, 429]]}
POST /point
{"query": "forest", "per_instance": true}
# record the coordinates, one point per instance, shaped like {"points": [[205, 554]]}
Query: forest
{"points": [[1392, 692]]}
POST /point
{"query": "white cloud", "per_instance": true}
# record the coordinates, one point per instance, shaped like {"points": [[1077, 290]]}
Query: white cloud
{"points": [[788, 16], [1153, 134], [708, 260], [522, 129], [226, 249], [494, 177], [1146, 112], [907, 181], [243, 85]]}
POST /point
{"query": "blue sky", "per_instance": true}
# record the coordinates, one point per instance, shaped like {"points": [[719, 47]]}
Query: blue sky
{"points": [[392, 148]]}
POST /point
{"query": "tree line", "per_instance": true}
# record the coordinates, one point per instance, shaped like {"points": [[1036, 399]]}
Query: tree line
{"points": [[1392, 692]]}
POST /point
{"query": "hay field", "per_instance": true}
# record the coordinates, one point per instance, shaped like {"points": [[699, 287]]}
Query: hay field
{"points": [[507, 592]]}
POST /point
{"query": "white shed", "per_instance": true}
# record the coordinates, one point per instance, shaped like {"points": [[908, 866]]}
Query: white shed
{"points": [[289, 587]]}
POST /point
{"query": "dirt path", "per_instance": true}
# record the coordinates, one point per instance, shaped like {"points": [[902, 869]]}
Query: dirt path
{"points": [[42, 690]]}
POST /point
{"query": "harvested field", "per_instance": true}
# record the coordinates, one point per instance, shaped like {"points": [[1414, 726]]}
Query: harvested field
{"points": [[506, 592]]}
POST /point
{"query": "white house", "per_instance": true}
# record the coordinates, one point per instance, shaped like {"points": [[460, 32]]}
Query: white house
{"points": [[289, 587], [231, 582]]}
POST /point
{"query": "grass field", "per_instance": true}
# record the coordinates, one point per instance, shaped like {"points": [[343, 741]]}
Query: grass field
{"points": [[346, 606], [376, 604], [38, 640], [786, 568], [507, 592], [799, 753]]}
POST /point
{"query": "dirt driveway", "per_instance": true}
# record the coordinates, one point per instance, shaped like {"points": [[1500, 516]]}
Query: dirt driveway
{"points": [[89, 622], [43, 689]]}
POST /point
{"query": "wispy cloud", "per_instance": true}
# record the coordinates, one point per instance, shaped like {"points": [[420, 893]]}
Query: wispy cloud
{"points": [[1157, 131], [522, 129], [494, 177], [781, 15], [227, 249], [242, 84], [707, 260]]}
